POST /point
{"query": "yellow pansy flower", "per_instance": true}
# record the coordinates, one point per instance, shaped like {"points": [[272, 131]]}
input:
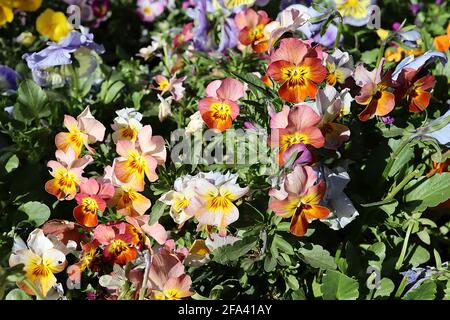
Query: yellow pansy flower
{"points": [[53, 24], [6, 15]]}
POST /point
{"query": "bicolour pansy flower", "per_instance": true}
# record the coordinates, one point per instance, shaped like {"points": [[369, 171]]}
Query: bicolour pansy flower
{"points": [[354, 12], [41, 261], [374, 93], [219, 108], [339, 66], [298, 68], [182, 199], [126, 125], [174, 86], [91, 199], [83, 130], [218, 208], [148, 10], [129, 202], [301, 200], [119, 241], [251, 26], [294, 126], [139, 159], [67, 174]]}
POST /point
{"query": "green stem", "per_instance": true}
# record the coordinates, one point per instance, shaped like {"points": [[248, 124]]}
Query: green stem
{"points": [[338, 36], [381, 53], [401, 287], [33, 288], [402, 184], [394, 156], [399, 263]]}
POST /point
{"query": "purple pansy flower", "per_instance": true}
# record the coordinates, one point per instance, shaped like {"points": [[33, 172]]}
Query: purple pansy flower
{"points": [[8, 79]]}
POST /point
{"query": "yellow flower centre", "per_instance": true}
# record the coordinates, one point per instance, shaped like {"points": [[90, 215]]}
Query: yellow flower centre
{"points": [[136, 162], [90, 205], [353, 8], [220, 110], [129, 133], [289, 140], [164, 84], [117, 246], [65, 180], [219, 202], [129, 196], [295, 75], [256, 33], [181, 203], [148, 10]]}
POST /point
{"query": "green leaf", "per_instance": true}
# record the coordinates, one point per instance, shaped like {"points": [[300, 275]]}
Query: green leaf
{"points": [[428, 192], [424, 236], [317, 257], [379, 251], [292, 282], [17, 294], [228, 253], [337, 286], [405, 155], [12, 163], [37, 212], [426, 291], [419, 256], [270, 262], [32, 101], [282, 244], [385, 289], [157, 212]]}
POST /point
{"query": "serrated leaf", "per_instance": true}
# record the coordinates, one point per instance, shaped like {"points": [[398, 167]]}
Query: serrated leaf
{"points": [[338, 286], [318, 257], [428, 192], [37, 212]]}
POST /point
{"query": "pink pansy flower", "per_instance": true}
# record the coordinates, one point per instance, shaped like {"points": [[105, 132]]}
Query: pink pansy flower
{"points": [[139, 159], [174, 86], [295, 126], [155, 231], [219, 108], [91, 199], [300, 199], [148, 10], [83, 130], [184, 36], [67, 173], [374, 94]]}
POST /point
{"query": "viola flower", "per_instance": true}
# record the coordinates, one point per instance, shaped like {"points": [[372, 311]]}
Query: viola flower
{"points": [[155, 231], [41, 261], [82, 131], [295, 126], [91, 199], [219, 108], [182, 200], [251, 26], [354, 12], [339, 66], [298, 68], [374, 94], [289, 19], [8, 79], [53, 24], [184, 36], [67, 173], [442, 43], [217, 207], [139, 159], [302, 201], [6, 15], [174, 86], [129, 202], [416, 91], [418, 63], [330, 106], [118, 241], [126, 125], [148, 10], [167, 278]]}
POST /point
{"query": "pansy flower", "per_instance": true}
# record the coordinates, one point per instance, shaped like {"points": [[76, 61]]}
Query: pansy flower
{"points": [[173, 85], [83, 130], [251, 26], [298, 68], [184, 36], [417, 92], [354, 12], [339, 66], [53, 24], [219, 108], [148, 10], [6, 14], [91, 199], [41, 261], [295, 126], [375, 92], [119, 242], [139, 159], [126, 125], [442, 43], [217, 201], [129, 202], [67, 174], [302, 203]]}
